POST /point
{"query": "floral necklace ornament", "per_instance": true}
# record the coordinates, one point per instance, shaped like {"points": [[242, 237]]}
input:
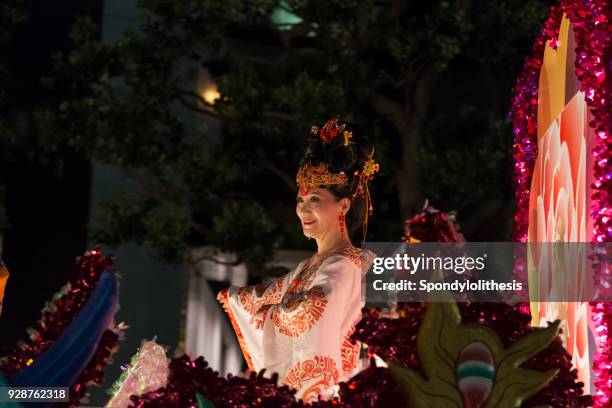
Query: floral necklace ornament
{"points": [[466, 365]]}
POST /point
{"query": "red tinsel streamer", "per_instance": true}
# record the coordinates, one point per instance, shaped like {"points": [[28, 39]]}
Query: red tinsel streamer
{"points": [[188, 377], [592, 25], [373, 387], [57, 315]]}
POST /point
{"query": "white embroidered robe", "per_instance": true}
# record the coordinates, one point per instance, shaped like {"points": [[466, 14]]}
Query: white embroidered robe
{"points": [[299, 325]]}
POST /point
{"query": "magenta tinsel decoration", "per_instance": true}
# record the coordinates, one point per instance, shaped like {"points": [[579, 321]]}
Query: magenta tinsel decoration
{"points": [[57, 315], [602, 366], [592, 25]]}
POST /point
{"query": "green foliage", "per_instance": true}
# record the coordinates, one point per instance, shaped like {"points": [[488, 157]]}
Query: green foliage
{"points": [[441, 34], [247, 230], [136, 219], [450, 167], [12, 12], [135, 103]]}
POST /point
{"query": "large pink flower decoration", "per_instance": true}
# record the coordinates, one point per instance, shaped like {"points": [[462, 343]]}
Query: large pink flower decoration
{"points": [[558, 212]]}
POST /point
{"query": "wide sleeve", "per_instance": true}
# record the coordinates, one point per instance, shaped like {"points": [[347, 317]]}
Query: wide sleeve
{"points": [[242, 305], [309, 326]]}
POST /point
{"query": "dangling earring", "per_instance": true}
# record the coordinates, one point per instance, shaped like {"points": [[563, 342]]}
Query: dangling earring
{"points": [[341, 222]]}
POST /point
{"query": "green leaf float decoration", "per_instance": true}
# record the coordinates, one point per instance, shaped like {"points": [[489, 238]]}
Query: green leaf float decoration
{"points": [[441, 339], [203, 402]]}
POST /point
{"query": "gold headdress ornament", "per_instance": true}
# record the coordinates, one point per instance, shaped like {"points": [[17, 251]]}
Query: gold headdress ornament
{"points": [[310, 177], [365, 175]]}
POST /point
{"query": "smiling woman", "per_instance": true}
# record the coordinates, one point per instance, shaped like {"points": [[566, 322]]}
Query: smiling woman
{"points": [[321, 214], [299, 325]]}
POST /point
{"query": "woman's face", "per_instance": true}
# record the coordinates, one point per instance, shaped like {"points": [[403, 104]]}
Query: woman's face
{"points": [[319, 211]]}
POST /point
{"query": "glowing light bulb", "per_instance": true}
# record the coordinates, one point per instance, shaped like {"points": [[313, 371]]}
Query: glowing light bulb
{"points": [[211, 94]]}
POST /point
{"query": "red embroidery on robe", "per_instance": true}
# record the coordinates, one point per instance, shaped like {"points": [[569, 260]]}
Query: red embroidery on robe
{"points": [[349, 352], [312, 304], [265, 294], [223, 298], [321, 369], [312, 301]]}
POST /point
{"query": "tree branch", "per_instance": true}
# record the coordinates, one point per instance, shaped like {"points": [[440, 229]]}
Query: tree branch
{"points": [[363, 22], [392, 111], [396, 9], [283, 175], [417, 95], [191, 94], [281, 115], [194, 108], [261, 60], [297, 30], [409, 71], [200, 228], [155, 189], [201, 105], [247, 49]]}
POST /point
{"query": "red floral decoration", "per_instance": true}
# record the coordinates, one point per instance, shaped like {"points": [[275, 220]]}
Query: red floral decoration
{"points": [[57, 315], [432, 225], [592, 25], [330, 130]]}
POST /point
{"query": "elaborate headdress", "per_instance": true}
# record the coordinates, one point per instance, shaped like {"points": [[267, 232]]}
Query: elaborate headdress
{"points": [[333, 158]]}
